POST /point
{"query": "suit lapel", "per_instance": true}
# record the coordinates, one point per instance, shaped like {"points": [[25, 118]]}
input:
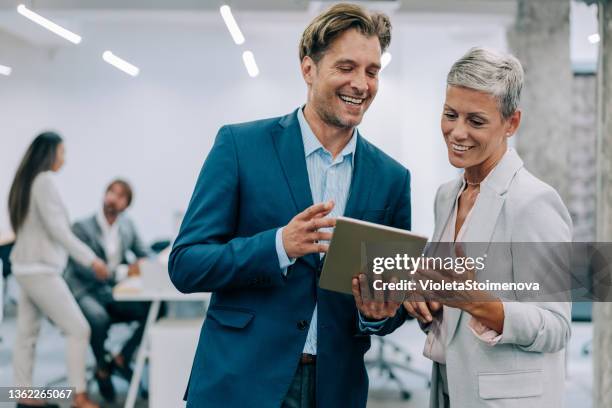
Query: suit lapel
{"points": [[123, 235], [445, 207], [100, 250], [446, 204], [289, 146], [362, 180]]}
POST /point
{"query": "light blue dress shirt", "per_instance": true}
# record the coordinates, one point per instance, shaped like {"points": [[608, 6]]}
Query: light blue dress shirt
{"points": [[330, 179]]}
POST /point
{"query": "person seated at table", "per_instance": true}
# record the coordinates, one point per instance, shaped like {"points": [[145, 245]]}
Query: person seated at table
{"points": [[112, 237]]}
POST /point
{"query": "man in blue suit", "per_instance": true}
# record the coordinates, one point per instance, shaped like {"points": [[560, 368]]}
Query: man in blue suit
{"points": [[253, 237]]}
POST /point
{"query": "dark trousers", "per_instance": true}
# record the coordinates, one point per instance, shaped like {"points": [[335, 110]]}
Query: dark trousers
{"points": [[302, 392], [101, 313]]}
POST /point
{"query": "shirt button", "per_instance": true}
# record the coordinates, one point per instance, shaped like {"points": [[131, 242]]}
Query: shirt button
{"points": [[302, 324]]}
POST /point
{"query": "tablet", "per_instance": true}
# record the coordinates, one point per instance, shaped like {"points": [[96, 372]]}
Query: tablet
{"points": [[353, 245]]}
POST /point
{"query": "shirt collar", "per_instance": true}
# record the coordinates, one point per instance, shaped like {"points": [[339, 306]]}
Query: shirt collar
{"points": [[312, 144]]}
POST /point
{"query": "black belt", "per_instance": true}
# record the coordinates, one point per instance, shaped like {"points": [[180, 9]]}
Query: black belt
{"points": [[308, 358]]}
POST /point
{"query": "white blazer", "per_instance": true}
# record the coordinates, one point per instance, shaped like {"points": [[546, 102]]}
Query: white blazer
{"points": [[526, 368]]}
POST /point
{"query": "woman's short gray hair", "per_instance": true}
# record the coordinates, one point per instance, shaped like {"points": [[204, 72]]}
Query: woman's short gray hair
{"points": [[500, 75]]}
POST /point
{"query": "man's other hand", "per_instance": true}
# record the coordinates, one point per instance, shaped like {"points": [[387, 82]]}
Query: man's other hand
{"points": [[301, 236], [100, 269], [373, 307]]}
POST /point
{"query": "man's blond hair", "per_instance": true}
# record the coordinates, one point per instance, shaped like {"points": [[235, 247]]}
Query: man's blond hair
{"points": [[327, 26]]}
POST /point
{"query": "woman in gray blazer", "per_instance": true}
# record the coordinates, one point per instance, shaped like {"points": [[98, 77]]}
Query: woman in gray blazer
{"points": [[493, 353], [43, 241]]}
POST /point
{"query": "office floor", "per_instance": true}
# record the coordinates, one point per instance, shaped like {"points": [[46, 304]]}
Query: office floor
{"points": [[383, 393]]}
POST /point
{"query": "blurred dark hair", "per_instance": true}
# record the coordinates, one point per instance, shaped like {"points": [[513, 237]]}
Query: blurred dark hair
{"points": [[126, 188], [39, 157]]}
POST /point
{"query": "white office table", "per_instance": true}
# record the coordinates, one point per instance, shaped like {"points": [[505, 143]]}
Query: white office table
{"points": [[132, 293]]}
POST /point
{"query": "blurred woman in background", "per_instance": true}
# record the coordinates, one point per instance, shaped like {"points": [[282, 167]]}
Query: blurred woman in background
{"points": [[42, 245]]}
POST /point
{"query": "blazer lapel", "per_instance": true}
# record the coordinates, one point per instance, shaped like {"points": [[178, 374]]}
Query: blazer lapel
{"points": [[289, 146], [98, 238], [445, 205], [362, 180], [446, 201]]}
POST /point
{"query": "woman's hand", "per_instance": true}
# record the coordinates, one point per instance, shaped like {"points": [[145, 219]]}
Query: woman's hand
{"points": [[100, 269], [423, 311]]}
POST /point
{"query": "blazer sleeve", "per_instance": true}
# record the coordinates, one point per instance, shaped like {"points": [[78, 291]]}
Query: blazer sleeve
{"points": [[207, 255], [47, 200], [539, 326]]}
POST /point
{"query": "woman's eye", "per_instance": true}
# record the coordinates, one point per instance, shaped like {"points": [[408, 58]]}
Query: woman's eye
{"points": [[477, 123]]}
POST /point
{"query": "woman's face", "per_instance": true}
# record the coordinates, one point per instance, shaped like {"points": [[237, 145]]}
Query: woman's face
{"points": [[474, 130], [59, 157]]}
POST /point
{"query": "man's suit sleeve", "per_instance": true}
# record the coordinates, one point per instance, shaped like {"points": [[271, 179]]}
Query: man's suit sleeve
{"points": [[207, 256], [401, 219], [84, 272]]}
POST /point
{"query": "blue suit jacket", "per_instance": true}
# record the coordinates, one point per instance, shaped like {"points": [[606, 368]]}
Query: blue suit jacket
{"points": [[253, 182]]}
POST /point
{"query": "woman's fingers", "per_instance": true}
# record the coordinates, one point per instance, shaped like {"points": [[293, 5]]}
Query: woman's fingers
{"points": [[424, 311], [418, 310]]}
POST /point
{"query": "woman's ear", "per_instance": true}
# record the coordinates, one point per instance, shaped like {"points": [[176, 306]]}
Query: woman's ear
{"points": [[513, 123]]}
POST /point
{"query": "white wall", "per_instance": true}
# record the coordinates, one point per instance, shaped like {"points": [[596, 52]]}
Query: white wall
{"points": [[156, 129]]}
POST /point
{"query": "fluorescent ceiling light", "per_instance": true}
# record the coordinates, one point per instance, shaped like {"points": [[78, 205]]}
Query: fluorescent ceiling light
{"points": [[594, 38], [48, 24], [121, 64], [385, 59], [250, 64], [4, 70], [232, 26]]}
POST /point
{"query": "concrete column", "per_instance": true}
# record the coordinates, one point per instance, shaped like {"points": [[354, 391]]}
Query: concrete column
{"points": [[602, 312], [540, 40]]}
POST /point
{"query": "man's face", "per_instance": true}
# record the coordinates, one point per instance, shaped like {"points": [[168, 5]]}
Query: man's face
{"points": [[344, 83], [115, 200]]}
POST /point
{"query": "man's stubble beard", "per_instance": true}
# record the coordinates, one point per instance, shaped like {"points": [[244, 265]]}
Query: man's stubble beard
{"points": [[332, 120]]}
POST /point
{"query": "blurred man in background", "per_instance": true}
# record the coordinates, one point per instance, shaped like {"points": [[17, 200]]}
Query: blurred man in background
{"points": [[113, 238]]}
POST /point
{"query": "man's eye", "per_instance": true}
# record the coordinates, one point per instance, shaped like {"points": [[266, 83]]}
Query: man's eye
{"points": [[373, 74], [450, 115], [345, 69]]}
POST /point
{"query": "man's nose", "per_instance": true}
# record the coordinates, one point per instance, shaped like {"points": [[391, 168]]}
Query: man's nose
{"points": [[360, 83]]}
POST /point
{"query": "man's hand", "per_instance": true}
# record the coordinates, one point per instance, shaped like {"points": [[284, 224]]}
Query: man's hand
{"points": [[423, 311], [301, 235], [373, 307], [134, 269], [100, 269]]}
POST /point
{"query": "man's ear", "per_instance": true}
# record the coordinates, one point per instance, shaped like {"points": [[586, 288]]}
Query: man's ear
{"points": [[514, 122], [308, 67]]}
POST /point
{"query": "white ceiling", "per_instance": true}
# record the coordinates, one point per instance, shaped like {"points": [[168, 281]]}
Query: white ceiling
{"points": [[77, 15]]}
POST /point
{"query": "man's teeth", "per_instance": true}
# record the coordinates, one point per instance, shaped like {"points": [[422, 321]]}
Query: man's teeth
{"points": [[352, 101], [460, 147]]}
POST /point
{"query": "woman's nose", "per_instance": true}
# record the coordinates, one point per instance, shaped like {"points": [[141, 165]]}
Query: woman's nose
{"points": [[459, 131]]}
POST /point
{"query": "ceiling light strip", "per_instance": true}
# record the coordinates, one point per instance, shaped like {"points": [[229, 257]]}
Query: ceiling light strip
{"points": [[48, 24]]}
